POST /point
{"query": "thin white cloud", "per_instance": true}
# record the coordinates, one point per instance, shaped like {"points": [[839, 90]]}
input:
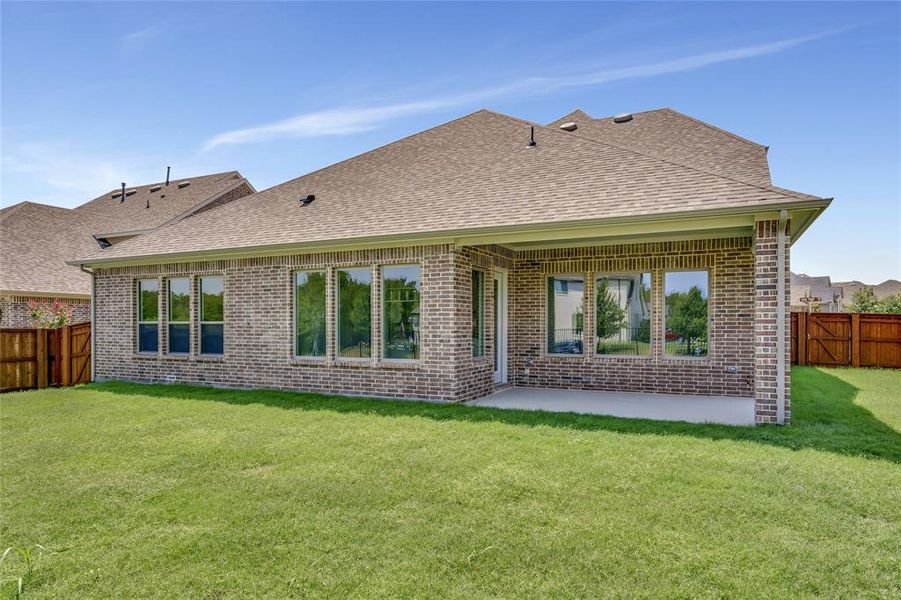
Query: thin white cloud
{"points": [[70, 176], [345, 121], [136, 39]]}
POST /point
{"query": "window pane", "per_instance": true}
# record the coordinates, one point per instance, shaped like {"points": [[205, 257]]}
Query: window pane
{"points": [[478, 313], [354, 313], [148, 338], [309, 307], [211, 339], [623, 314], [180, 300], [565, 298], [211, 296], [685, 313], [148, 297], [401, 311], [179, 339]]}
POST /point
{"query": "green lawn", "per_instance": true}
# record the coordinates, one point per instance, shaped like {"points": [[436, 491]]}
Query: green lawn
{"points": [[170, 491]]}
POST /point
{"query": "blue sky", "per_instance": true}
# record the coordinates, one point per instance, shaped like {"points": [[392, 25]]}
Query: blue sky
{"points": [[95, 94]]}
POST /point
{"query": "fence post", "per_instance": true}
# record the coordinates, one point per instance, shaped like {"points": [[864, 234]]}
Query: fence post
{"points": [[65, 356], [41, 352], [855, 339], [802, 338]]}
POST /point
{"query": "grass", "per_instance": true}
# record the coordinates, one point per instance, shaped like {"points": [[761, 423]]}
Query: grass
{"points": [[173, 491]]}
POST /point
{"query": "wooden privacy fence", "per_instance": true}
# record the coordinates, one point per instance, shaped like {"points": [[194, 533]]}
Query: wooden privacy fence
{"points": [[846, 339], [38, 358]]}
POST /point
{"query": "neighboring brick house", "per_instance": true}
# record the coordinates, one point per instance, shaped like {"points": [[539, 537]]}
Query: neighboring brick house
{"points": [[36, 240], [483, 252]]}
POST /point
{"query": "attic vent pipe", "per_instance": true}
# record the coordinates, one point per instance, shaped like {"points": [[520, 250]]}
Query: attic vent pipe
{"points": [[122, 197], [167, 175], [532, 143]]}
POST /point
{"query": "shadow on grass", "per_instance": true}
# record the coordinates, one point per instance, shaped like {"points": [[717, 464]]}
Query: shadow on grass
{"points": [[825, 416]]}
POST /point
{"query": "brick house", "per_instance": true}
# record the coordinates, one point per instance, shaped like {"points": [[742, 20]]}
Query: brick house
{"points": [[36, 240], [645, 252]]}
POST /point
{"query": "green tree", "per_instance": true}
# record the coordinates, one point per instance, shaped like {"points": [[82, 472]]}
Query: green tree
{"points": [[891, 304], [687, 316], [610, 317], [864, 301]]}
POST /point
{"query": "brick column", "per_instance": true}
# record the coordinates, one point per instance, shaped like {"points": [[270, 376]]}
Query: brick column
{"points": [[765, 328]]}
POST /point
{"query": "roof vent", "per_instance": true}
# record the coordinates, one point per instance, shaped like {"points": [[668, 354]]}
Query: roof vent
{"points": [[131, 192], [570, 126], [307, 200], [156, 188], [183, 184], [622, 118], [532, 142]]}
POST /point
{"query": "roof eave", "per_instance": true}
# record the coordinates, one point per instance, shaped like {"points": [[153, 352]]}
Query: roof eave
{"points": [[719, 218]]}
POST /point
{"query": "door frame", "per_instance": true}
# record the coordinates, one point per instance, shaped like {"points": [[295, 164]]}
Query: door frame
{"points": [[500, 281]]}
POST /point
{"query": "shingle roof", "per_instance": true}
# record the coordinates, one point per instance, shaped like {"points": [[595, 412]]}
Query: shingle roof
{"points": [[36, 240], [473, 172], [671, 135], [166, 203]]}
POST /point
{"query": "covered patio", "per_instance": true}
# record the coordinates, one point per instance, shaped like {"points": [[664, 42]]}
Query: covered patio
{"points": [[726, 410]]}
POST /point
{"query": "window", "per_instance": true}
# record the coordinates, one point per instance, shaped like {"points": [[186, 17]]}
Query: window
{"points": [[211, 314], [309, 313], [179, 315], [400, 321], [565, 298], [478, 313], [685, 313], [148, 315], [623, 314], [354, 313]]}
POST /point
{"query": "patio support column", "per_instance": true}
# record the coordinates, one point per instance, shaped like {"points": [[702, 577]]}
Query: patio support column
{"points": [[772, 378]]}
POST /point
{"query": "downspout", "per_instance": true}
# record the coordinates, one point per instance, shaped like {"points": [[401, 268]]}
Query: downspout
{"points": [[780, 317], [93, 320]]}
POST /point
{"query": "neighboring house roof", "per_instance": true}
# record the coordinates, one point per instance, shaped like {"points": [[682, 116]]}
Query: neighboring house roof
{"points": [[36, 240], [476, 173], [671, 135], [152, 205]]}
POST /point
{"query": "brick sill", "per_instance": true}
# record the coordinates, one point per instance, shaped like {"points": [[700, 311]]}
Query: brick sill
{"points": [[309, 361], [398, 363], [623, 357]]}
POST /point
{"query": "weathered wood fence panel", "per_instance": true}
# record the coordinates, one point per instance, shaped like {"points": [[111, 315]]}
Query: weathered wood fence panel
{"points": [[846, 339], [38, 358]]}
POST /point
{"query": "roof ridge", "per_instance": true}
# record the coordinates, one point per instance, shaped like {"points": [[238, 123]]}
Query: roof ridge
{"points": [[780, 191], [715, 128], [367, 152]]}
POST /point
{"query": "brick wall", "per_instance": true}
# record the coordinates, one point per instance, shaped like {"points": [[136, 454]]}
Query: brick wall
{"points": [[15, 312], [259, 331], [239, 192], [730, 264], [765, 295]]}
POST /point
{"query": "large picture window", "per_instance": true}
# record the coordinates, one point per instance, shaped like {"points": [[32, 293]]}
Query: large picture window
{"points": [[565, 314], [148, 315], [478, 313], [212, 315], [400, 320], [309, 313], [179, 315], [623, 314], [354, 313], [685, 313]]}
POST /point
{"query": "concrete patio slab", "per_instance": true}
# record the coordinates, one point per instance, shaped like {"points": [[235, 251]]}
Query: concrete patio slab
{"points": [[666, 407]]}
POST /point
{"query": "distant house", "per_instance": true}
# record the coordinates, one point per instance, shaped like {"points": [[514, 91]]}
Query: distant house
{"points": [[829, 296], [36, 240], [469, 256]]}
